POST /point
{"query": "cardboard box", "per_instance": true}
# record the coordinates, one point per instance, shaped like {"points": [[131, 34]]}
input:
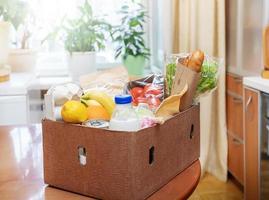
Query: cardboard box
{"points": [[119, 165], [183, 76]]}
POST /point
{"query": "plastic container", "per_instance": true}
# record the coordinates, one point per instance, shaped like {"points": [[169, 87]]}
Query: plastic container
{"points": [[124, 118]]}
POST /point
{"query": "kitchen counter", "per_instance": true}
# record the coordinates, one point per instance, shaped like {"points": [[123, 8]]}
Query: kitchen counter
{"points": [[20, 83], [257, 82], [21, 170], [17, 85]]}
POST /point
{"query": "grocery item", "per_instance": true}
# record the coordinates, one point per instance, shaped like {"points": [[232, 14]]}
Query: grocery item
{"points": [[208, 79], [74, 112], [143, 110], [124, 117], [154, 102], [137, 92], [63, 93], [192, 61], [145, 115], [97, 123], [170, 76], [148, 90], [170, 106], [111, 81], [103, 98], [196, 60], [96, 110]]}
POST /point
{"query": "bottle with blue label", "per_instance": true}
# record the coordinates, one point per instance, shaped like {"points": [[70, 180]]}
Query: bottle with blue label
{"points": [[124, 117]]}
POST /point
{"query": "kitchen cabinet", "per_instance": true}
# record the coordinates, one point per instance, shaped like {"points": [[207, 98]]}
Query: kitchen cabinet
{"points": [[14, 110], [251, 134], [236, 158], [234, 105]]}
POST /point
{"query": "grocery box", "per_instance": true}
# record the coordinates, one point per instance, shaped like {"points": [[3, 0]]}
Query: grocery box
{"points": [[119, 165]]}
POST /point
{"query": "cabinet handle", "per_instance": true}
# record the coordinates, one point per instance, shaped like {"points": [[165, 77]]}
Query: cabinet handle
{"points": [[248, 103], [237, 100], [236, 141], [237, 79]]}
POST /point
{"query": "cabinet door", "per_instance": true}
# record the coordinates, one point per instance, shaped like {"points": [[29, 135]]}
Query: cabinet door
{"points": [[251, 124], [13, 110], [234, 84], [236, 158], [235, 115]]}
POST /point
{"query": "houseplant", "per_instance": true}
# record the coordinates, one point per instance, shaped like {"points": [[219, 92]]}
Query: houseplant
{"points": [[83, 37], [129, 36], [21, 58]]}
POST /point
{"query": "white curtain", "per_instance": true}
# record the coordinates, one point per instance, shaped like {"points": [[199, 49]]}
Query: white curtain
{"points": [[200, 24]]}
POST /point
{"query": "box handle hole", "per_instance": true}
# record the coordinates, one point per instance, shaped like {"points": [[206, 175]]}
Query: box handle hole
{"points": [[82, 155], [151, 155], [192, 131]]}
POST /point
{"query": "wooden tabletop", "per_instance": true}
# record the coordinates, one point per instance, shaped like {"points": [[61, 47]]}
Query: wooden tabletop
{"points": [[21, 170]]}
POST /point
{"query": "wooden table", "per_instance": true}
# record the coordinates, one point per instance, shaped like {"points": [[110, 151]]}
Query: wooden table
{"points": [[21, 170]]}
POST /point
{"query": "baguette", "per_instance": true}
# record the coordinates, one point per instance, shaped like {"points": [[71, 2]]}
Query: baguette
{"points": [[196, 60]]}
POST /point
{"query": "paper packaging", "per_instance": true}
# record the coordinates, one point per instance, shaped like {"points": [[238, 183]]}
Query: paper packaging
{"points": [[183, 76], [119, 165]]}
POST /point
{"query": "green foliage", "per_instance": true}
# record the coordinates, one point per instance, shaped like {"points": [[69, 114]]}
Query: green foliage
{"points": [[208, 79], [129, 35], [86, 33], [170, 76], [14, 11]]}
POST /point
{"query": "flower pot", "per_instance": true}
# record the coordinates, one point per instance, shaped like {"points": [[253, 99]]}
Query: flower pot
{"points": [[22, 60], [5, 38], [135, 65], [81, 63]]}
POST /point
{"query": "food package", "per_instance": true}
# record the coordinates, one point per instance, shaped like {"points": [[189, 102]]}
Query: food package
{"points": [[111, 81], [209, 75], [185, 76], [148, 90], [197, 70], [170, 106]]}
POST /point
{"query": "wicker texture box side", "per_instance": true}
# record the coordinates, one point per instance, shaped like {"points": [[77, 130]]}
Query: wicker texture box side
{"points": [[105, 175], [176, 146]]}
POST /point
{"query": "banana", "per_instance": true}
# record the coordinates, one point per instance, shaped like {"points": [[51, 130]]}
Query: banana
{"points": [[105, 100]]}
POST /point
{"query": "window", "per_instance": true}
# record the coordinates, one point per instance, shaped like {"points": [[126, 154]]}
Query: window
{"points": [[48, 14]]}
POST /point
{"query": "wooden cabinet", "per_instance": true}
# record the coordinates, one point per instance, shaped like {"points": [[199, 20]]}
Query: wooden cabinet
{"points": [[236, 158], [251, 134], [234, 105]]}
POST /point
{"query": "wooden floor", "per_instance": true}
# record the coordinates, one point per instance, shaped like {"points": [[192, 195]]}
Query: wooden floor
{"points": [[211, 188]]}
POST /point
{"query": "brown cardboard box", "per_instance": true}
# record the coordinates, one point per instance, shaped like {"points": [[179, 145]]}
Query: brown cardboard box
{"points": [[183, 76], [120, 165]]}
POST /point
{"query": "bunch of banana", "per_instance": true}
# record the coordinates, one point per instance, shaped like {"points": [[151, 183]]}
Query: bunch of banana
{"points": [[105, 100]]}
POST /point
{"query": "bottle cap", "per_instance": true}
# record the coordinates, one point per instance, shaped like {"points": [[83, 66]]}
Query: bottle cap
{"points": [[123, 99]]}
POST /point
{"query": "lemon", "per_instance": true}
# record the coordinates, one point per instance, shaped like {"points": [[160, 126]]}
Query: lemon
{"points": [[74, 112]]}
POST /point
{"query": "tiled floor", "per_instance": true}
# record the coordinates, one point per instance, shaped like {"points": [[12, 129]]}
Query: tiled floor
{"points": [[211, 188]]}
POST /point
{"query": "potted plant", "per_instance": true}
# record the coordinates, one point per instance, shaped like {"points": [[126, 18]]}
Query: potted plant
{"points": [[84, 36], [130, 37], [21, 58]]}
